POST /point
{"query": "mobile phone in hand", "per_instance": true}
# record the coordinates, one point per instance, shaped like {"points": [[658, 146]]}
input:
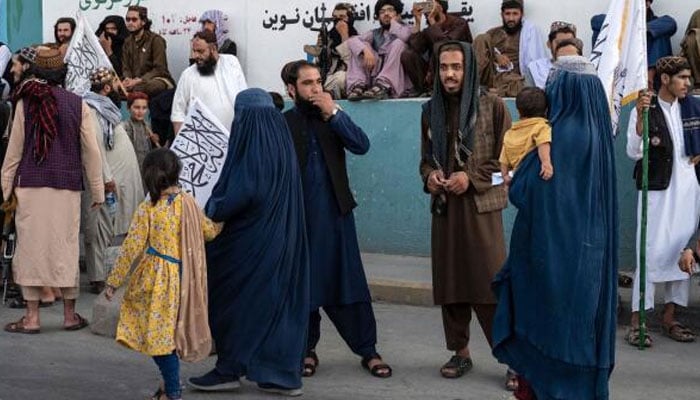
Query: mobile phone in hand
{"points": [[425, 6]]}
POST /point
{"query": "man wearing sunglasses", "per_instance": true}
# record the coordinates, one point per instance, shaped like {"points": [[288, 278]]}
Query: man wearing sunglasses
{"points": [[144, 61]]}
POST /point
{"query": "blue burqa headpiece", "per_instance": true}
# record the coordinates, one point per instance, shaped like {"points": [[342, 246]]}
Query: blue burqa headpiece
{"points": [[557, 293], [258, 266]]}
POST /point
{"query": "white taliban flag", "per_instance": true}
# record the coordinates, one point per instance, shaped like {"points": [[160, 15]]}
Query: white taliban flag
{"points": [[84, 56], [201, 145], [620, 54]]}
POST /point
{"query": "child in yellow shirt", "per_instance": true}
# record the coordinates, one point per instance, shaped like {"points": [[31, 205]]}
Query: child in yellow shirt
{"points": [[530, 132]]}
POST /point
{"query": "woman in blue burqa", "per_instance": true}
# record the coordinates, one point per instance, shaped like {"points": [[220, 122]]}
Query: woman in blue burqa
{"points": [[258, 266], [557, 293]]}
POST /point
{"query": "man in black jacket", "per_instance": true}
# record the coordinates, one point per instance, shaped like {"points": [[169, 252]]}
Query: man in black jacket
{"points": [[322, 132]]}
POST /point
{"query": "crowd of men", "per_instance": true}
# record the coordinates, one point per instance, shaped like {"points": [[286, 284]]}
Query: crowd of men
{"points": [[395, 59], [59, 144]]}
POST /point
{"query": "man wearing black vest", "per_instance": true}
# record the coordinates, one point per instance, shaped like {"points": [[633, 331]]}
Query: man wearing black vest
{"points": [[322, 132], [674, 193]]}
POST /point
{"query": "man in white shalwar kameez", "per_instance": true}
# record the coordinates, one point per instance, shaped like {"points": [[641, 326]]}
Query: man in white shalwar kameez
{"points": [[121, 175], [215, 79], [674, 205]]}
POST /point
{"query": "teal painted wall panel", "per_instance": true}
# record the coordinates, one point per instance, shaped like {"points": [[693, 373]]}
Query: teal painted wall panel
{"points": [[393, 213], [23, 22], [3, 21]]}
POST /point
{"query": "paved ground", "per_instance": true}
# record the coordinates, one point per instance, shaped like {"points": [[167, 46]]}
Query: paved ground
{"points": [[61, 365]]}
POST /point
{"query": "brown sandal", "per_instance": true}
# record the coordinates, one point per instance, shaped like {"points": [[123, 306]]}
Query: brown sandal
{"points": [[82, 323], [18, 327], [381, 370], [679, 332], [632, 337], [309, 368], [511, 380], [356, 94], [456, 367]]}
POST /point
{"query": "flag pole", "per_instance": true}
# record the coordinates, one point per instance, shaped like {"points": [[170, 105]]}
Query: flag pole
{"points": [[643, 234]]}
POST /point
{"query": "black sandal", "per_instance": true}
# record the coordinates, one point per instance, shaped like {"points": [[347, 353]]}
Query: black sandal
{"points": [[377, 369], [310, 369], [459, 364], [158, 395]]}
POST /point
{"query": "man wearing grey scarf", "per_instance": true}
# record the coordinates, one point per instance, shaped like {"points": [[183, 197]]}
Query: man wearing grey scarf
{"points": [[121, 175], [462, 133]]}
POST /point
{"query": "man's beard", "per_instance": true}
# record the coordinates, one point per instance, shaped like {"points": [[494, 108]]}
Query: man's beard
{"points": [[115, 97], [307, 108], [23, 77], [385, 26], [136, 32], [513, 30], [207, 67]]}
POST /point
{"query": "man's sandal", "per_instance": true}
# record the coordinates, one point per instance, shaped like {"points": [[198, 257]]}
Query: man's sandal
{"points": [[456, 367], [310, 368], [20, 327], [678, 332], [381, 370], [632, 338], [356, 94], [511, 380]]}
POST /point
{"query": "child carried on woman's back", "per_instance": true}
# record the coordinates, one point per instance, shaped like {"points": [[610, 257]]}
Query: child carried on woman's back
{"points": [[164, 312]]}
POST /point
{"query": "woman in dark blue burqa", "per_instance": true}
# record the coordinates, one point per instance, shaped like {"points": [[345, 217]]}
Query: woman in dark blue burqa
{"points": [[258, 265], [555, 321]]}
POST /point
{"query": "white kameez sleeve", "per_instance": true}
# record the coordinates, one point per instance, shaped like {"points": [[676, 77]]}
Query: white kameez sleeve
{"points": [[241, 83], [634, 141], [181, 99]]}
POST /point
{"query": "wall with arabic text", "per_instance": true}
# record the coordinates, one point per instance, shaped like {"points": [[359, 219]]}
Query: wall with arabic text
{"points": [[393, 213], [271, 32]]}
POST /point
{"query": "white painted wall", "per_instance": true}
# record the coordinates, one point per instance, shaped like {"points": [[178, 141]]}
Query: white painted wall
{"points": [[264, 51]]}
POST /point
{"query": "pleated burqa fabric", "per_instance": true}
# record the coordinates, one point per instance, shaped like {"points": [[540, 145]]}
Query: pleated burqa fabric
{"points": [[557, 293], [258, 266]]}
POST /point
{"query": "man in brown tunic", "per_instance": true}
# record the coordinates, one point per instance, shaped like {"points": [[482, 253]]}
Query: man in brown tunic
{"points": [[462, 134], [144, 61], [690, 49], [441, 26], [503, 52]]}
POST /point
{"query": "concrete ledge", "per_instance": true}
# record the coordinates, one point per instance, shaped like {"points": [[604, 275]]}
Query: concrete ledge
{"points": [[401, 292], [408, 280]]}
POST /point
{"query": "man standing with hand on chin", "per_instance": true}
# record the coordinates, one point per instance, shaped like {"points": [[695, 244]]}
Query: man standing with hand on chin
{"points": [[322, 132]]}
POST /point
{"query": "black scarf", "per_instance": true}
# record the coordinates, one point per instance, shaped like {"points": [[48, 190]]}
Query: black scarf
{"points": [[436, 108]]}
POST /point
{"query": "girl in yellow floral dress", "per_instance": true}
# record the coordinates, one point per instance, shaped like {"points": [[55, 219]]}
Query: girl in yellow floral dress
{"points": [[164, 311]]}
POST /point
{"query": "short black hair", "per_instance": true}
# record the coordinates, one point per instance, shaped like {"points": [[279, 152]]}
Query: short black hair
{"points": [[161, 170], [563, 29], [449, 47], [531, 102], [277, 100], [64, 20], [207, 36], [508, 4], [143, 16], [290, 71], [397, 4], [570, 42]]}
